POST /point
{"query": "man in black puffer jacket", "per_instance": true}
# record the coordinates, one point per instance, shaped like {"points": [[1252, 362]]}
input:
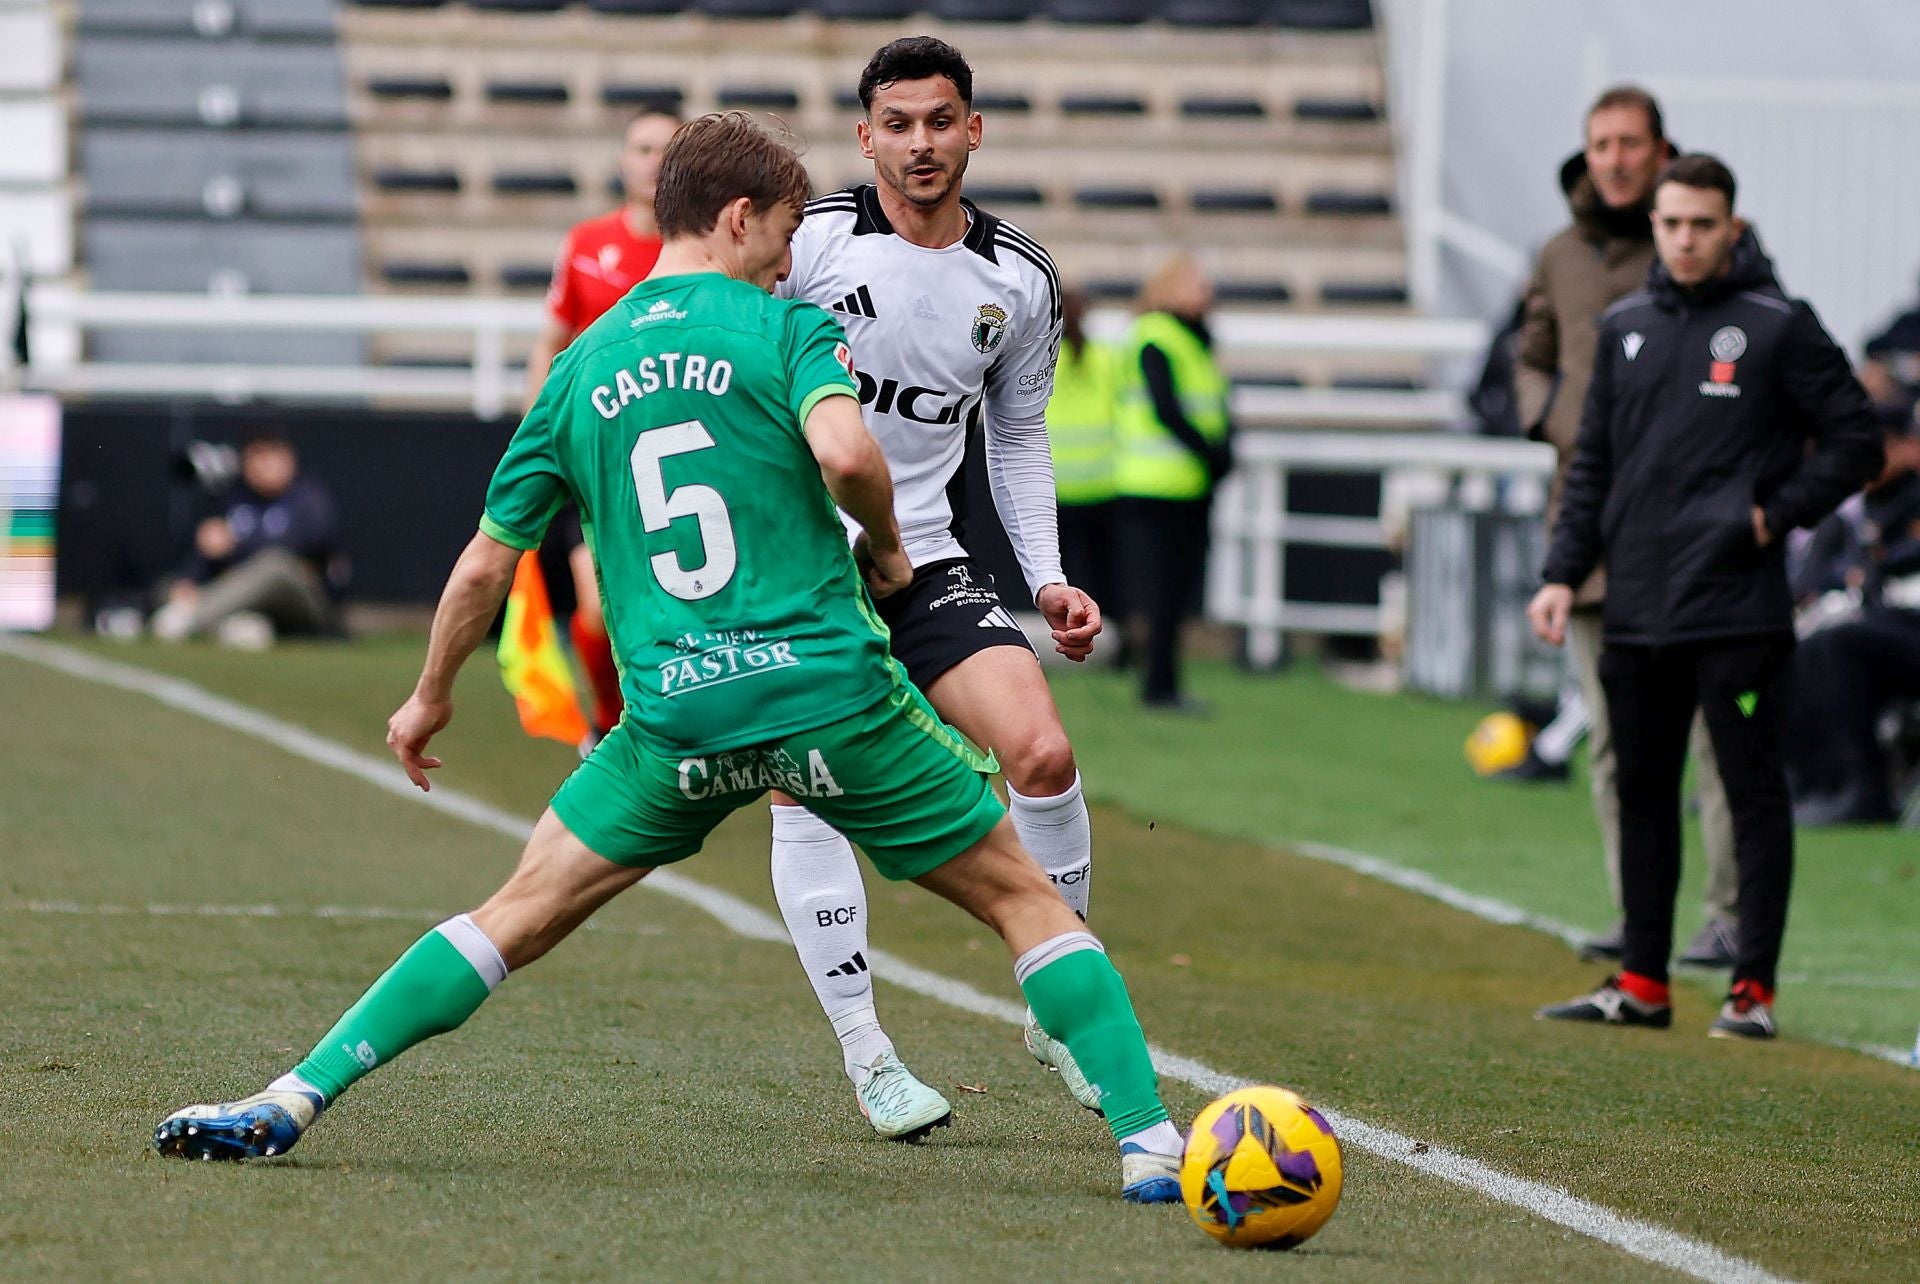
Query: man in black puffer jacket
{"points": [[1692, 466]]}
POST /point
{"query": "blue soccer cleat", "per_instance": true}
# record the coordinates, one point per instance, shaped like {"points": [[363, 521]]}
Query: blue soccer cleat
{"points": [[1148, 1178], [267, 1123]]}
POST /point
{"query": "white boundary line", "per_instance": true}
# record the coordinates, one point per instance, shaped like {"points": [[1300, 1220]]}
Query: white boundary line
{"points": [[1644, 1240]]}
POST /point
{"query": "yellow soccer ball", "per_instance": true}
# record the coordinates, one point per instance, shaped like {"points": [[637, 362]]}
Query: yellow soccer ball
{"points": [[1261, 1169], [1498, 742]]}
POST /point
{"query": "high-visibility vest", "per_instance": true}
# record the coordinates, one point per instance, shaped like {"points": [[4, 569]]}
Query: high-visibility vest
{"points": [[1080, 425], [1151, 463]]}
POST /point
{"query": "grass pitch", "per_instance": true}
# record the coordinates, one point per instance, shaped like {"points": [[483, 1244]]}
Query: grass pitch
{"points": [[661, 1099]]}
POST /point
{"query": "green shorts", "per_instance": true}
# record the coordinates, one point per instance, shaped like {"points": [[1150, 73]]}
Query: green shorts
{"points": [[898, 782]]}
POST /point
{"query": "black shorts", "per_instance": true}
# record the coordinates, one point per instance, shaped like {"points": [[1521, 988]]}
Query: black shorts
{"points": [[948, 613]]}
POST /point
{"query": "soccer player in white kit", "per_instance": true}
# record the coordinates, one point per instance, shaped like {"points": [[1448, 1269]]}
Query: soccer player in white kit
{"points": [[954, 318]]}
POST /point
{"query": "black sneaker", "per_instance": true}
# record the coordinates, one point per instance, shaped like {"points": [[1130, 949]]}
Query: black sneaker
{"points": [[1747, 1014], [1714, 947], [1610, 1005], [1610, 947]]}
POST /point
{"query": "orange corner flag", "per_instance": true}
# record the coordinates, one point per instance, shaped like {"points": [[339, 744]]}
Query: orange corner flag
{"points": [[532, 664]]}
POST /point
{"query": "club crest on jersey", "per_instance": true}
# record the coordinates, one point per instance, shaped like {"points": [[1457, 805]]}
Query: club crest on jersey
{"points": [[989, 326], [844, 356], [1728, 345]]}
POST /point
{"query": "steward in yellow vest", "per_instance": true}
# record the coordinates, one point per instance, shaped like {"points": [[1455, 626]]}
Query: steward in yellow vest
{"points": [[1174, 442], [1080, 427]]}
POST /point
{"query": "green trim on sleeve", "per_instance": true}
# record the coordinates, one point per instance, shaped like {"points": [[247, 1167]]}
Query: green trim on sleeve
{"points": [[495, 531], [820, 394]]}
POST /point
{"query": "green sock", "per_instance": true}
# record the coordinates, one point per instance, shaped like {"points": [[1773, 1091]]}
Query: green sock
{"points": [[431, 989], [1079, 999]]}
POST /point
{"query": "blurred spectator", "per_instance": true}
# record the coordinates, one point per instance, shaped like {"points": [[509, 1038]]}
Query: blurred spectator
{"points": [[1175, 444], [1891, 373], [265, 563], [598, 262], [1694, 462], [1600, 258], [1861, 661], [1080, 427]]}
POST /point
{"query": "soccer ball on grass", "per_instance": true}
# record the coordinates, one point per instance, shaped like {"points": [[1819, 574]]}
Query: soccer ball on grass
{"points": [[1261, 1169]]}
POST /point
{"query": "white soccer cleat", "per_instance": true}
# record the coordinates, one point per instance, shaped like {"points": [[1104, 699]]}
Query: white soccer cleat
{"points": [[1053, 1054], [1148, 1178], [265, 1124], [899, 1106]]}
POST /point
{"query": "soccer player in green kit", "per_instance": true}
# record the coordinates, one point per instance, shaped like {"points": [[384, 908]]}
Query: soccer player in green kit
{"points": [[707, 430]]}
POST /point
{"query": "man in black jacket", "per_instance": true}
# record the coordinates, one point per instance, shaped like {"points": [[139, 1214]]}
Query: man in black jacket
{"points": [[1692, 466]]}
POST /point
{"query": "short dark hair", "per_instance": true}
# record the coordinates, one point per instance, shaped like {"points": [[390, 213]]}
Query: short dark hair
{"points": [[916, 58], [1632, 96], [1697, 169], [716, 159]]}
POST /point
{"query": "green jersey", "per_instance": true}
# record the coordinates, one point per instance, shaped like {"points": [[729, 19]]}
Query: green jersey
{"points": [[736, 612]]}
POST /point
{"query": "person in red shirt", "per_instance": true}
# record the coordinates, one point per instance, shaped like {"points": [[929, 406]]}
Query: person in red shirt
{"points": [[599, 261]]}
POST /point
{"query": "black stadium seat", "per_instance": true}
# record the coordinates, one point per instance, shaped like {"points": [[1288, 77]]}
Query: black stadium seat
{"points": [[1363, 293], [1212, 13], [869, 10], [1234, 200], [757, 98], [1336, 201], [424, 272], [520, 6], [526, 276], [433, 88], [995, 195], [1102, 105], [1321, 15], [526, 91], [750, 8], [642, 7], [398, 178], [1213, 107], [534, 182], [399, 4], [1251, 290], [981, 10], [1111, 288], [1337, 109], [1101, 12], [636, 96], [1117, 198], [1002, 103]]}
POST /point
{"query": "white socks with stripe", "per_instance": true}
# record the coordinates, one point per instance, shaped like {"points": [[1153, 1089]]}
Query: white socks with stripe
{"points": [[1059, 835], [816, 880]]}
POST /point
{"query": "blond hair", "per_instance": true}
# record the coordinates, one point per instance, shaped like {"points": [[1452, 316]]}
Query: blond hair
{"points": [[1160, 290]]}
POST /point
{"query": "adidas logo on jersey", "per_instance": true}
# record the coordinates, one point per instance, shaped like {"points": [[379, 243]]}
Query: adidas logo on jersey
{"points": [[852, 967], [999, 618], [858, 304]]}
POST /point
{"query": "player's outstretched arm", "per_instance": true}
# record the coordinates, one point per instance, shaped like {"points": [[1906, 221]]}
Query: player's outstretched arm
{"points": [[856, 476], [467, 608]]}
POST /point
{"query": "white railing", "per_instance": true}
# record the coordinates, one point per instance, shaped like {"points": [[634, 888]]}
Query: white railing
{"points": [[1252, 526], [61, 316]]}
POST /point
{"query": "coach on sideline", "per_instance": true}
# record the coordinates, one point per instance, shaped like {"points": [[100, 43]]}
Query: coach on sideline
{"points": [[1692, 466], [1599, 258]]}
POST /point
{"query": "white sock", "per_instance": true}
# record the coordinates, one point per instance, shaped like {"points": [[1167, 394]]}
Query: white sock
{"points": [[1051, 950], [1161, 1139], [291, 1082], [1059, 834], [816, 880]]}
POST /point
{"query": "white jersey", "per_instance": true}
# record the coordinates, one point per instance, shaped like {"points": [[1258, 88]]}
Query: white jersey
{"points": [[943, 339]]}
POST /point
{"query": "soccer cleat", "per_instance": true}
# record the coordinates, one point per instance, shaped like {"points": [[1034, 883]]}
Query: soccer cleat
{"points": [[1747, 1014], [1148, 1178], [1610, 1005], [1053, 1054], [1716, 945], [267, 1123], [899, 1106]]}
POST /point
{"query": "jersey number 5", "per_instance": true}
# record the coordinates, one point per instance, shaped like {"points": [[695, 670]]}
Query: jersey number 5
{"points": [[660, 506]]}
